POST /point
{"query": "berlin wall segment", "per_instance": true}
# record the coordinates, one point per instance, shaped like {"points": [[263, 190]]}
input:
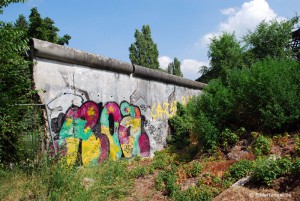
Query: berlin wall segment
{"points": [[98, 113]]}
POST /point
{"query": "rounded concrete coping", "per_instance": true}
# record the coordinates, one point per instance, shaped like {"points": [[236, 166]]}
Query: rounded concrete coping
{"points": [[56, 52], [150, 74]]}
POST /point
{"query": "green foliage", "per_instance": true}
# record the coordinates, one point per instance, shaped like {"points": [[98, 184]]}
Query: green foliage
{"points": [[110, 179], [139, 171], [266, 170], [4, 3], [40, 28], [166, 181], [240, 169], [181, 125], [266, 95], [296, 167], [57, 181], [264, 98], [15, 79], [211, 113], [271, 39], [193, 169], [297, 145], [162, 160], [225, 53], [174, 68], [144, 51], [20, 125], [194, 194], [228, 139], [262, 145]]}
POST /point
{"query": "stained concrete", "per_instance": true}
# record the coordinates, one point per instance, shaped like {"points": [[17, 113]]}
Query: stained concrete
{"points": [[66, 77]]}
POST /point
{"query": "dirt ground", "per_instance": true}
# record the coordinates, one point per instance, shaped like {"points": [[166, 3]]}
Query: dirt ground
{"points": [[144, 189], [239, 193]]}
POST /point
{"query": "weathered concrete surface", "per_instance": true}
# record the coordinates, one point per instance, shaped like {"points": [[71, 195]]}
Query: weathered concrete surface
{"points": [[106, 107]]}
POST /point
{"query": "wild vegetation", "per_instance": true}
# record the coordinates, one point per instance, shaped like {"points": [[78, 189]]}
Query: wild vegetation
{"points": [[251, 104]]}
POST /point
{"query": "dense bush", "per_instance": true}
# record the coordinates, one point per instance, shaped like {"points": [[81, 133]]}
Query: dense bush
{"points": [[266, 170], [15, 84], [240, 169], [228, 138], [256, 86], [181, 125], [264, 97], [261, 145]]}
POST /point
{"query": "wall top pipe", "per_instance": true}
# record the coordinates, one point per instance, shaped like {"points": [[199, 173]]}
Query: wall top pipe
{"points": [[56, 52]]}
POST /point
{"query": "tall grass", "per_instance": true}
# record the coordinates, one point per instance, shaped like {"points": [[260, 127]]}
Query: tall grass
{"points": [[58, 181]]}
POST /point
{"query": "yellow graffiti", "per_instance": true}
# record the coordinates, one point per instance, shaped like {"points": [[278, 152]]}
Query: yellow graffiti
{"points": [[87, 129], [91, 111], [158, 111], [127, 148], [69, 121], [90, 150], [185, 100], [72, 145], [167, 110], [173, 108], [134, 124], [114, 149]]}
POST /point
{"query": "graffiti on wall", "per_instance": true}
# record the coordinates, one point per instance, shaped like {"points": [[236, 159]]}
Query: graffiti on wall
{"points": [[93, 132], [167, 110]]}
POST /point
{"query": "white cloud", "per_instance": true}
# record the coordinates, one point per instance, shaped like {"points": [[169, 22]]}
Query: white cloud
{"points": [[228, 11], [191, 67], [242, 19], [164, 61]]}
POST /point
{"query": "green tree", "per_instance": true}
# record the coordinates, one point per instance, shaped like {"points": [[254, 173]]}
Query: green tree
{"points": [[174, 68], [225, 53], [19, 123], [256, 86], [15, 85], [271, 39], [4, 3], [44, 29], [21, 23], [144, 51]]}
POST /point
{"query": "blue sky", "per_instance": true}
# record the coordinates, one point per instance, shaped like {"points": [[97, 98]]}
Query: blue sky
{"points": [[181, 28]]}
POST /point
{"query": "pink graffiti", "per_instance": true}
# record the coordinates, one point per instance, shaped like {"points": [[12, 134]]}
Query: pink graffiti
{"points": [[88, 111], [144, 144]]}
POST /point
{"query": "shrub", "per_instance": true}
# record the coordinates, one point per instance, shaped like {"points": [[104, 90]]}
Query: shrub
{"points": [[161, 160], [297, 145], [207, 133], [194, 194], [266, 95], [194, 169], [228, 139], [181, 125], [139, 172], [266, 170], [166, 181], [240, 169], [296, 166], [262, 145]]}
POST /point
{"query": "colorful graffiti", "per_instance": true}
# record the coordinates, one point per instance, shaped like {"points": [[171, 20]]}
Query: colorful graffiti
{"points": [[88, 134]]}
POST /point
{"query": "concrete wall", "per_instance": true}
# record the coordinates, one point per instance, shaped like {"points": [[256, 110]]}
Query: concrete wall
{"points": [[104, 108]]}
